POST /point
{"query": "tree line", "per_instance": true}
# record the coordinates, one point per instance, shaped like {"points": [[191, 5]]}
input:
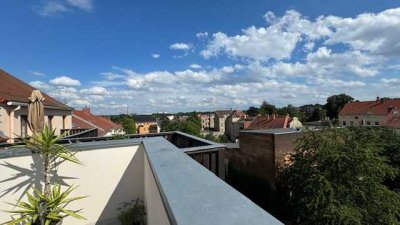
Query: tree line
{"points": [[318, 112]]}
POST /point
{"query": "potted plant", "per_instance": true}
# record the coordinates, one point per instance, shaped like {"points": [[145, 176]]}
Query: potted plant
{"points": [[47, 206]]}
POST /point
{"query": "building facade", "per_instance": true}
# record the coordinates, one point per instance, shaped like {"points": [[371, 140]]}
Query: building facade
{"points": [[219, 120], [369, 113], [14, 102], [146, 124]]}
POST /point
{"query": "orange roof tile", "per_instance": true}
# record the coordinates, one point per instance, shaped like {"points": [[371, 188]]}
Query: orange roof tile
{"points": [[269, 122], [378, 107], [84, 119]]}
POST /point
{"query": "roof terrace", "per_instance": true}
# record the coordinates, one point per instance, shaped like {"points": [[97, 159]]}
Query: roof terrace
{"points": [[156, 168]]}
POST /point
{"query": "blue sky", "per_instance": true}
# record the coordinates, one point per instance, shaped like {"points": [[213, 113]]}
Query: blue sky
{"points": [[168, 56]]}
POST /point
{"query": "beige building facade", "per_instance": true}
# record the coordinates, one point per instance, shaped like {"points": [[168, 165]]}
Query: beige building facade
{"points": [[14, 123]]}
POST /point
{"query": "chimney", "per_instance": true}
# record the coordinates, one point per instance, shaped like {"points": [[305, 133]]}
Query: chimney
{"points": [[86, 110], [273, 116], [267, 116], [377, 98]]}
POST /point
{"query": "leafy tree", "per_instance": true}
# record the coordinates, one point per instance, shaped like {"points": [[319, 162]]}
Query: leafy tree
{"points": [[267, 108], [253, 111], [336, 176], [192, 125], [129, 125], [292, 111], [335, 103]]}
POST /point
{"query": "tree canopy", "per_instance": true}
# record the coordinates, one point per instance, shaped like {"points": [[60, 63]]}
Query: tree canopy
{"points": [[127, 122], [337, 176], [335, 103]]}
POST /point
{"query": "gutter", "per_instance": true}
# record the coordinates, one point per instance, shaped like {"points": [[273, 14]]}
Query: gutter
{"points": [[13, 103]]}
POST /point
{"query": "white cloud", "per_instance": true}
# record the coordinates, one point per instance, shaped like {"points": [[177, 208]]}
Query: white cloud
{"points": [[112, 76], [81, 4], [96, 90], [155, 56], [36, 73], [180, 46], [195, 66], [390, 81], [50, 8], [57, 7], [374, 32], [202, 35], [40, 85], [65, 81]]}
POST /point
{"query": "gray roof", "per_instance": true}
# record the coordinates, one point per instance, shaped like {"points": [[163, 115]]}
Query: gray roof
{"points": [[144, 118]]}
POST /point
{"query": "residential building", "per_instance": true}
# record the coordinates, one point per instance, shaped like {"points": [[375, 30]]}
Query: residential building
{"points": [[273, 121], [84, 119], [233, 124], [219, 120], [174, 175], [369, 113], [207, 121], [14, 95], [146, 124]]}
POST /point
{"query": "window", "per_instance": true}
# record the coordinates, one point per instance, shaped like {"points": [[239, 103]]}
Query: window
{"points": [[49, 122], [356, 117], [344, 123], [376, 123], [368, 123], [24, 125]]}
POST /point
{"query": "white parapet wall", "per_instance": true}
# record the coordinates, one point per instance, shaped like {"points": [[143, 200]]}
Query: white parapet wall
{"points": [[109, 176]]}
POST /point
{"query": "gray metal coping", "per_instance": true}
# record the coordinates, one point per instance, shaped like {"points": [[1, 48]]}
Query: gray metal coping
{"points": [[193, 195]]}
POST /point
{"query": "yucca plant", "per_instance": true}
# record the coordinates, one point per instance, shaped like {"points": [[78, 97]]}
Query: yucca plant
{"points": [[31, 212], [46, 144], [47, 206]]}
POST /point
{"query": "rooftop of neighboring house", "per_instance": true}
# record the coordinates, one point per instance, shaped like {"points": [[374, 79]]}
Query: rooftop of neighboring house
{"points": [[222, 113], [393, 119], [269, 122], [144, 118], [15, 90], [238, 113], [84, 119], [378, 107]]}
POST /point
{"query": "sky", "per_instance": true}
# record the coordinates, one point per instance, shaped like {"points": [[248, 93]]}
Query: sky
{"points": [[171, 56]]}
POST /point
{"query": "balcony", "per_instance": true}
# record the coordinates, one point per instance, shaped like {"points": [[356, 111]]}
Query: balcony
{"points": [[156, 168]]}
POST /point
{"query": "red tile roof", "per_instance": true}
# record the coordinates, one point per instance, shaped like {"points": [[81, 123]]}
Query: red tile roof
{"points": [[13, 89], [83, 119], [269, 122], [393, 119], [378, 107]]}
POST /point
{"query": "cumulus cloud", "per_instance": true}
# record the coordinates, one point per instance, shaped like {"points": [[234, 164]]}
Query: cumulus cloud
{"points": [[375, 33], [180, 46], [65, 81]]}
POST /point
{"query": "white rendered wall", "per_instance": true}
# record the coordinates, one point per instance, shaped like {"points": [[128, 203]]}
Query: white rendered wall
{"points": [[109, 177]]}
